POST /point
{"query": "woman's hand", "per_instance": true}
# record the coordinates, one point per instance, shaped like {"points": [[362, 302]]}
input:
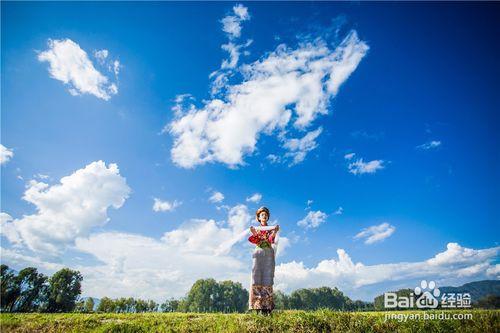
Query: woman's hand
{"points": [[277, 228], [252, 230]]}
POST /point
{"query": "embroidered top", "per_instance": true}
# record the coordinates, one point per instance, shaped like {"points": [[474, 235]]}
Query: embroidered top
{"points": [[263, 236]]}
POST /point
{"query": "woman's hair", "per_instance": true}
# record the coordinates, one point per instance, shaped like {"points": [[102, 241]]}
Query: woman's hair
{"points": [[260, 210]]}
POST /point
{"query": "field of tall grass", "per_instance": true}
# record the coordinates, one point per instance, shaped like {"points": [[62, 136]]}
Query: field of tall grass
{"points": [[482, 321]]}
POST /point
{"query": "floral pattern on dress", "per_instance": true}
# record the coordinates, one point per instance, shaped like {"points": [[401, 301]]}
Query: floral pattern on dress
{"points": [[261, 297]]}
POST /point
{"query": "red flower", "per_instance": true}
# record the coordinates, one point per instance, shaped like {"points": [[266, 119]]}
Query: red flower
{"points": [[262, 235]]}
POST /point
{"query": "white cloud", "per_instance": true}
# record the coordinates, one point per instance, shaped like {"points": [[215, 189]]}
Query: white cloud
{"points": [[242, 12], [283, 244], [298, 148], [7, 230], [256, 197], [165, 206], [220, 80], [116, 68], [360, 167], [339, 211], [287, 86], [351, 277], [132, 265], [139, 266], [179, 102], [313, 219], [101, 55], [429, 145], [69, 63], [20, 260], [231, 24], [4, 218], [349, 156], [203, 236], [494, 271], [234, 54], [216, 197], [69, 209], [273, 159], [232, 27], [456, 255], [376, 233], [5, 154]]}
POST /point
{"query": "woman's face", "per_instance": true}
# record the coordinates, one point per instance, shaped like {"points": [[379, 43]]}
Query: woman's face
{"points": [[263, 218]]}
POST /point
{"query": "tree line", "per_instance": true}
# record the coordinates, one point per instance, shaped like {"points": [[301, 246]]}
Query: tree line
{"points": [[119, 305], [30, 291], [318, 298], [208, 295]]}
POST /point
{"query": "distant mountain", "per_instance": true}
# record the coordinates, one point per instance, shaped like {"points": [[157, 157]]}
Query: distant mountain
{"points": [[477, 289]]}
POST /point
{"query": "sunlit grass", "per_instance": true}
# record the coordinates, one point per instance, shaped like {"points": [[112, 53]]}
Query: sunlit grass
{"points": [[283, 321]]}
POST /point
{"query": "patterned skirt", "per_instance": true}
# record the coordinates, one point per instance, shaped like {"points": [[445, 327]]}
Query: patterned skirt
{"points": [[261, 291]]}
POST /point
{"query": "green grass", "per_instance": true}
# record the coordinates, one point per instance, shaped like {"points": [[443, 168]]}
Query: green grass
{"points": [[483, 321]]}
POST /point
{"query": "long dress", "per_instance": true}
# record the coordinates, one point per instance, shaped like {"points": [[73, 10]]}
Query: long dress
{"points": [[263, 263]]}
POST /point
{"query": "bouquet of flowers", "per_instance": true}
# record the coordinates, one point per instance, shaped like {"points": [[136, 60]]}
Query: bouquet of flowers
{"points": [[261, 237], [264, 240], [264, 244]]}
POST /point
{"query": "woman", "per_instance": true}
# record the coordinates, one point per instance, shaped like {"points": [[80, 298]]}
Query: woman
{"points": [[264, 237]]}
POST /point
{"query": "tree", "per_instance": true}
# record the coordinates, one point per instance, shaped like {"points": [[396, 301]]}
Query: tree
{"points": [[152, 306], [106, 305], [10, 288], [331, 298], [234, 298], [64, 289], [89, 305], [379, 300], [183, 305], [207, 295], [79, 306], [359, 305], [489, 302], [131, 305], [170, 305], [316, 298], [32, 290], [123, 305], [203, 296], [141, 305], [281, 300]]}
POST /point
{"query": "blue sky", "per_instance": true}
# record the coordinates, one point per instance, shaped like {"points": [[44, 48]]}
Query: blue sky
{"points": [[150, 90]]}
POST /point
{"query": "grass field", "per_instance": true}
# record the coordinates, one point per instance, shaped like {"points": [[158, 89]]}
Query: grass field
{"points": [[482, 321]]}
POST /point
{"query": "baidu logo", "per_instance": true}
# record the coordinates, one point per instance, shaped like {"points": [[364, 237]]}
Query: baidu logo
{"points": [[427, 295]]}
